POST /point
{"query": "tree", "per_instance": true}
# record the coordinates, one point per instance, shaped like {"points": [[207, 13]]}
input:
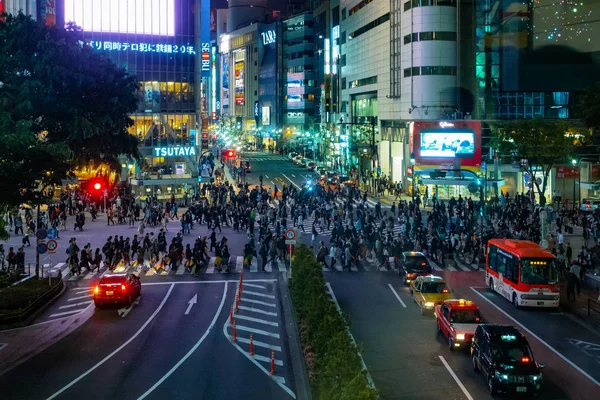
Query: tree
{"points": [[537, 145], [590, 106], [62, 106]]}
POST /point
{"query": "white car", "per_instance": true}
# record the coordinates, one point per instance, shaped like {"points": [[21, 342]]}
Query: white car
{"points": [[589, 205], [292, 155]]}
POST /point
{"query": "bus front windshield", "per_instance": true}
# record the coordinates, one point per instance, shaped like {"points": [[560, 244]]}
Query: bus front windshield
{"points": [[540, 271]]}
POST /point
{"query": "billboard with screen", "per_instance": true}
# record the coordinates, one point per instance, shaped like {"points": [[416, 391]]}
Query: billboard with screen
{"points": [[447, 143], [225, 82], [142, 17], [239, 83]]}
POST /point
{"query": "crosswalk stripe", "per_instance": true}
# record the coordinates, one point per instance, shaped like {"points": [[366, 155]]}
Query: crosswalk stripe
{"points": [[211, 265], [462, 266], [151, 272], [254, 265], [268, 266], [239, 264], [281, 266], [89, 275], [451, 268], [181, 269]]}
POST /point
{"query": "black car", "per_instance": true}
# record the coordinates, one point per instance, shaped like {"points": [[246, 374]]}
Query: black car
{"points": [[504, 356], [412, 264]]}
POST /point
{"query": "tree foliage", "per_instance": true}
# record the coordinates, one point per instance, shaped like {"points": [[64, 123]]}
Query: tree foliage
{"points": [[590, 106], [537, 145], [62, 106]]}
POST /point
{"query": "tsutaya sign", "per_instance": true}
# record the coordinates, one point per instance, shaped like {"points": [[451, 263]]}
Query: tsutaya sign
{"points": [[174, 151]]}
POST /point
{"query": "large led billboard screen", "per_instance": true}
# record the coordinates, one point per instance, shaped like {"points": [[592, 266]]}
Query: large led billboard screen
{"points": [[144, 17], [239, 83], [446, 143]]}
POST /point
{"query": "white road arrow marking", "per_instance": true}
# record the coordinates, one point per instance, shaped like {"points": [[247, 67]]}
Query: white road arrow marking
{"points": [[125, 310], [191, 303]]}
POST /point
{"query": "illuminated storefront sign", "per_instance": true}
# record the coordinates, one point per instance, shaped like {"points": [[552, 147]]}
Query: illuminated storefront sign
{"points": [[205, 57], [143, 17], [268, 37], [335, 51], [143, 47], [239, 83], [213, 81], [266, 116], [174, 151], [327, 58]]}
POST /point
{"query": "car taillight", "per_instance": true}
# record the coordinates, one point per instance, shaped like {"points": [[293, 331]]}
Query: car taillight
{"points": [[525, 360], [96, 289], [123, 287], [444, 290]]}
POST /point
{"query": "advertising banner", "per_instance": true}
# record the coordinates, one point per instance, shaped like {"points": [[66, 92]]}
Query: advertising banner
{"points": [[266, 116], [567, 172], [213, 19], [225, 83], [267, 72], [50, 12], [239, 83], [444, 143], [439, 142]]}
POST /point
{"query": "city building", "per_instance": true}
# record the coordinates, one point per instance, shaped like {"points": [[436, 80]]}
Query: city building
{"points": [[27, 7], [162, 49]]}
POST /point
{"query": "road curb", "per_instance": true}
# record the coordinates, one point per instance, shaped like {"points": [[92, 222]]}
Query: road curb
{"points": [[37, 313], [299, 371]]}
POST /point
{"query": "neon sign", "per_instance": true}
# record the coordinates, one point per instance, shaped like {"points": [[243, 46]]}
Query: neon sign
{"points": [[174, 151], [142, 47], [268, 37], [205, 57]]}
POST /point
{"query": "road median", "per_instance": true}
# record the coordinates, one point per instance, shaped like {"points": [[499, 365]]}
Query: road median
{"points": [[334, 366]]}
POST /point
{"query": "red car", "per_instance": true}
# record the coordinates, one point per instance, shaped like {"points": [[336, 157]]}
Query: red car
{"points": [[117, 288], [457, 321]]}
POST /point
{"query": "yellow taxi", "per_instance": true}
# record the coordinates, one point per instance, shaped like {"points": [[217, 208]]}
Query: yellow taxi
{"points": [[429, 291]]}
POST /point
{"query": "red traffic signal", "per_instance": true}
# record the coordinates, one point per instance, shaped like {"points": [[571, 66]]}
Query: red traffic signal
{"points": [[229, 153], [96, 186]]}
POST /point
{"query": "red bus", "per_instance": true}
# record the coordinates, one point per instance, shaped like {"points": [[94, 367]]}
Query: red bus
{"points": [[522, 272]]}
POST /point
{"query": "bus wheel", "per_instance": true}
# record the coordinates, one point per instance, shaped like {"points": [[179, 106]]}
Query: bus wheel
{"points": [[515, 300]]}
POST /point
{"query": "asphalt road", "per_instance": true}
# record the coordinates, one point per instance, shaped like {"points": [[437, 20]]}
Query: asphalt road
{"points": [[156, 350], [404, 353]]}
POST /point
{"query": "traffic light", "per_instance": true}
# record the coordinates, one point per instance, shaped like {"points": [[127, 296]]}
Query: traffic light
{"points": [[96, 186], [229, 153]]}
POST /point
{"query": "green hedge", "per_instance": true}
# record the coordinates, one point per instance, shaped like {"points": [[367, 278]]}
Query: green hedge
{"points": [[17, 297], [334, 367]]}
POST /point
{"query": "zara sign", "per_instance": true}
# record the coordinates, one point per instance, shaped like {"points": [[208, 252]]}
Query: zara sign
{"points": [[174, 151], [268, 37]]}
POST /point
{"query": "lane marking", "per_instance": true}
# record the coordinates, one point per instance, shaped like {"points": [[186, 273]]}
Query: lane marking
{"points": [[451, 268], [118, 349], [362, 360], [84, 291], [293, 175], [254, 286], [571, 363], [76, 304], [257, 331], [458, 382], [205, 282], [80, 297], [192, 350], [258, 343], [267, 359], [462, 266], [268, 296], [396, 294], [257, 310], [257, 320], [266, 176], [293, 183], [62, 314], [45, 322], [262, 303], [273, 182]]}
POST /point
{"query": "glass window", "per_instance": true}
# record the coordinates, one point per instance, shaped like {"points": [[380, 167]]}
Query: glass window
{"points": [[465, 316], [434, 287], [492, 258], [426, 36], [416, 71], [407, 39], [541, 271], [406, 72], [407, 6]]}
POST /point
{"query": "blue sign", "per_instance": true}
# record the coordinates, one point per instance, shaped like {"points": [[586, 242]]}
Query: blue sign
{"points": [[52, 233], [42, 248], [41, 234], [162, 48]]}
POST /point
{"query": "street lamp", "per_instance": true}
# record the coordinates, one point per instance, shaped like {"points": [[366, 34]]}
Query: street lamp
{"points": [[412, 163], [574, 163]]}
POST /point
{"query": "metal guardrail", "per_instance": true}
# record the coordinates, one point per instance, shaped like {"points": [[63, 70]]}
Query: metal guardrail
{"points": [[590, 308], [24, 313]]}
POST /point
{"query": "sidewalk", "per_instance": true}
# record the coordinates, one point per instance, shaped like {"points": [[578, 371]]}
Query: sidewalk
{"points": [[579, 307], [20, 344]]}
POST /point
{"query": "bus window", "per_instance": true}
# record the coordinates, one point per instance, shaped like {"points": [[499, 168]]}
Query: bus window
{"points": [[501, 263], [539, 272], [492, 258], [512, 270]]}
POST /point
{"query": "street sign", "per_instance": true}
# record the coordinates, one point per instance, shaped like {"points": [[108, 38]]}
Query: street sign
{"points": [[52, 245], [52, 233], [204, 134], [41, 234], [290, 242], [483, 165], [290, 234], [42, 248]]}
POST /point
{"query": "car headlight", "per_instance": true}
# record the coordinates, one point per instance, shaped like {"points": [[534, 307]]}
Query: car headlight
{"points": [[537, 377], [429, 304], [460, 336], [501, 377]]}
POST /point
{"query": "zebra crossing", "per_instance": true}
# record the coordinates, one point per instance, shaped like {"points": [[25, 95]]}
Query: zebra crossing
{"points": [[236, 265], [265, 157]]}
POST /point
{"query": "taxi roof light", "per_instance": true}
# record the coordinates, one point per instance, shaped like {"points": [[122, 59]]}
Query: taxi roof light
{"points": [[508, 338], [525, 359]]}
